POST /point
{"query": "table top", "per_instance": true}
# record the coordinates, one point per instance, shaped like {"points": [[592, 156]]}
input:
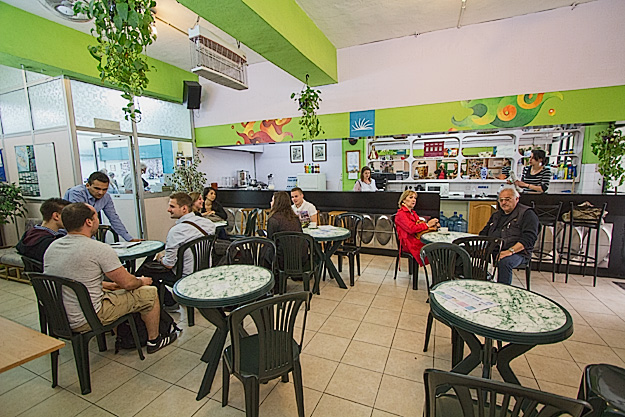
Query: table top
{"points": [[328, 233], [223, 286], [522, 316], [446, 237], [20, 344], [144, 248]]}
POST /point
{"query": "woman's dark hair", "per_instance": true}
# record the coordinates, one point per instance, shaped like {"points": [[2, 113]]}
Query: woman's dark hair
{"points": [[539, 155], [282, 205], [207, 190], [362, 172]]}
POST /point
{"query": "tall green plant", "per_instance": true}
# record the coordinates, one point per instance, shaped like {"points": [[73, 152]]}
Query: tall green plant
{"points": [[308, 101], [188, 178], [609, 146], [123, 29], [12, 204]]}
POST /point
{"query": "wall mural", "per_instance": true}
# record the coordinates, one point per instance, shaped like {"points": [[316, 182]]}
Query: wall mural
{"points": [[504, 112], [269, 131]]}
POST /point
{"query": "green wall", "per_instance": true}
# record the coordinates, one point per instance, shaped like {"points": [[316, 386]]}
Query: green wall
{"points": [[41, 45], [361, 145], [589, 136]]}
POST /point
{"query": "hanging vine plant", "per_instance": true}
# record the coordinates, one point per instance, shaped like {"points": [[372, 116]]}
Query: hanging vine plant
{"points": [[609, 146], [123, 29], [308, 100]]}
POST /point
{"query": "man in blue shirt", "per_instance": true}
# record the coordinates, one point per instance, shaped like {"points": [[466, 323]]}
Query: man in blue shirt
{"points": [[95, 194]]}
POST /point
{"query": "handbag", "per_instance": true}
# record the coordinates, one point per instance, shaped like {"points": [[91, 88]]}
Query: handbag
{"points": [[585, 212], [428, 230]]}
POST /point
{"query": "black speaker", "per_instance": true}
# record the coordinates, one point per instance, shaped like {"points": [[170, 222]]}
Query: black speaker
{"points": [[192, 93]]}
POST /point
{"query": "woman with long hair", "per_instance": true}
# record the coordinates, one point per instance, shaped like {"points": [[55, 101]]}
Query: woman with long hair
{"points": [[282, 218], [409, 225], [365, 183], [212, 207], [198, 203], [536, 176]]}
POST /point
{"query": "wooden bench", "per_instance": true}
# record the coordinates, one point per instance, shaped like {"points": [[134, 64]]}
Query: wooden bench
{"points": [[11, 265]]}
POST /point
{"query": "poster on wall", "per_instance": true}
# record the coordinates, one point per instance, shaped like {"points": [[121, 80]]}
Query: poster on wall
{"points": [[3, 176], [27, 170]]}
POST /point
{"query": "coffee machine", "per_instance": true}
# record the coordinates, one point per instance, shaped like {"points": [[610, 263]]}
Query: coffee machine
{"points": [[243, 178]]}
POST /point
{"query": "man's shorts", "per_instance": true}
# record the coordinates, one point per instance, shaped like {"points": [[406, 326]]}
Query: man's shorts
{"points": [[116, 304]]}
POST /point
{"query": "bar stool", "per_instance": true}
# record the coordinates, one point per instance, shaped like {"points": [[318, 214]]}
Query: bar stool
{"points": [[587, 224], [333, 214], [548, 216]]}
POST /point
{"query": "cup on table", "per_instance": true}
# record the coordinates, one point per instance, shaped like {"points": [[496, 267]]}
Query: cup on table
{"points": [[312, 225], [444, 230]]}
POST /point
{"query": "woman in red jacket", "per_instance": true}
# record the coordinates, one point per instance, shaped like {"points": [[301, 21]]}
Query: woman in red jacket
{"points": [[408, 225]]}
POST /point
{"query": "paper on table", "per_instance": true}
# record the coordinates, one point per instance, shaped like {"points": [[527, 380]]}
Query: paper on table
{"points": [[124, 245], [464, 299]]}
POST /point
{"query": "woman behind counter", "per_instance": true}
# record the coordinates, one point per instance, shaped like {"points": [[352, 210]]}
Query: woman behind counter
{"points": [[365, 183], [212, 209], [408, 224], [535, 176]]}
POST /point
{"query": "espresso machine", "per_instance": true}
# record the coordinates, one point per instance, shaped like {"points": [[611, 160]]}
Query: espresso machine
{"points": [[243, 178]]}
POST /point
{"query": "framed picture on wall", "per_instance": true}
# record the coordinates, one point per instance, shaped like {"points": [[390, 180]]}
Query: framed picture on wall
{"points": [[352, 161], [297, 153], [319, 152]]}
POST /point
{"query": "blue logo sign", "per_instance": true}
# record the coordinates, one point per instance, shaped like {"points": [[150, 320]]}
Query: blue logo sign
{"points": [[362, 123]]}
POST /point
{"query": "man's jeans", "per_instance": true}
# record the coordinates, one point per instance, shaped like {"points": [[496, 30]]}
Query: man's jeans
{"points": [[506, 265]]}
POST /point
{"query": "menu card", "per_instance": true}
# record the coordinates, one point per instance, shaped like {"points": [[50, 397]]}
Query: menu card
{"points": [[463, 299]]}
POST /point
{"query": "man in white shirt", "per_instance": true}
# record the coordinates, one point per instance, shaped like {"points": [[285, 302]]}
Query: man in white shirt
{"points": [[306, 211]]}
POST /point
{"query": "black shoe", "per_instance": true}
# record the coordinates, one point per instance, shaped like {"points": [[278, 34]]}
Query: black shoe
{"points": [[161, 342]]}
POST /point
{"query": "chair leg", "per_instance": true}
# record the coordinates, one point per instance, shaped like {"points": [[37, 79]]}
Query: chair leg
{"points": [[190, 316], [251, 388], [358, 262], [81, 356], [396, 266], [351, 270], [225, 384], [285, 378], [54, 365], [415, 274], [299, 390], [428, 331], [340, 268], [101, 338], [528, 273], [135, 336]]}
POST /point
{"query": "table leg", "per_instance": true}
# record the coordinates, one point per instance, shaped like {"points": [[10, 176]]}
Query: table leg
{"points": [[213, 351], [475, 356], [487, 358], [319, 268], [505, 356], [331, 247]]}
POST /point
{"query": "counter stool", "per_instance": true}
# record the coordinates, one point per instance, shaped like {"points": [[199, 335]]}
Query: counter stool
{"points": [[548, 216], [332, 215], [587, 223]]}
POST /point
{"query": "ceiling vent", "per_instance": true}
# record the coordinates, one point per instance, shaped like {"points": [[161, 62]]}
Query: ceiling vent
{"points": [[214, 59], [65, 9]]}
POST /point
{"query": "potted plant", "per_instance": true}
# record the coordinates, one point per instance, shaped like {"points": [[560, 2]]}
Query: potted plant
{"points": [[187, 178], [12, 205], [308, 101], [609, 146], [123, 29]]}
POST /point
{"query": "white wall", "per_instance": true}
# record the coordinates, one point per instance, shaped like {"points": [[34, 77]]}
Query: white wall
{"points": [[562, 49], [218, 163]]}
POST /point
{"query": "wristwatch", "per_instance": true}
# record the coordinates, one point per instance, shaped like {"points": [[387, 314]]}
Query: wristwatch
{"points": [[511, 250]]}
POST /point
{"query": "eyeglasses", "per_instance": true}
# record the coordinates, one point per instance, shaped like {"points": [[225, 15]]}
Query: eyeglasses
{"points": [[503, 200]]}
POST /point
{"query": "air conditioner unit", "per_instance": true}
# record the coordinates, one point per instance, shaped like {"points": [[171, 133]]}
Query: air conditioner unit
{"points": [[214, 59]]}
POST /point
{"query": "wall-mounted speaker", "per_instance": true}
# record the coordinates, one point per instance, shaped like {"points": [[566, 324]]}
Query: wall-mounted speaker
{"points": [[192, 93]]}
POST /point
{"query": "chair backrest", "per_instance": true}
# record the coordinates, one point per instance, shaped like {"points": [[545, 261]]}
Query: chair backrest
{"points": [[578, 218], [353, 222], [447, 262], [103, 229], [481, 250], [50, 291], [201, 249], [32, 265], [275, 321], [257, 251], [448, 393], [252, 223], [296, 249], [548, 215]]}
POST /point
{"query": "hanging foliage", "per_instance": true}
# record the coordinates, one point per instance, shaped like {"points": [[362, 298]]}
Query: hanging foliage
{"points": [[308, 100], [609, 146], [123, 29], [188, 178]]}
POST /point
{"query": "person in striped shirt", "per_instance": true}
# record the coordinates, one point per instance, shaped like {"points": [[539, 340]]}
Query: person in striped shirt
{"points": [[535, 176]]}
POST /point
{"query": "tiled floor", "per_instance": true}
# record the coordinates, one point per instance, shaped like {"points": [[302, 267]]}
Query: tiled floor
{"points": [[363, 356]]}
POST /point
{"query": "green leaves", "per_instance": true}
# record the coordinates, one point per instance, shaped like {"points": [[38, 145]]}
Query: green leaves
{"points": [[188, 178], [122, 31], [609, 146], [12, 203], [308, 102]]}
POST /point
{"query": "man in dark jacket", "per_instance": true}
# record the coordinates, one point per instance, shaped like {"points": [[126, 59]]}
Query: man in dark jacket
{"points": [[517, 225], [35, 241]]}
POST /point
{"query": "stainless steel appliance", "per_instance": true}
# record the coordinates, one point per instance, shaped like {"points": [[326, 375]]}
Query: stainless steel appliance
{"points": [[243, 178]]}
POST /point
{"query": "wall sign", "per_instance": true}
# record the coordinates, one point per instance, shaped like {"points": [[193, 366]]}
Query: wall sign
{"points": [[362, 123]]}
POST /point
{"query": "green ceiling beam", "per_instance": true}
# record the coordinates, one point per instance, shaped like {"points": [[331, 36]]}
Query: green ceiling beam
{"points": [[41, 45], [279, 30]]}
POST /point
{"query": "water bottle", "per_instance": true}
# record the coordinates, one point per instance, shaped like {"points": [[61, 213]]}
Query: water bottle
{"points": [[442, 220], [451, 222], [462, 225]]}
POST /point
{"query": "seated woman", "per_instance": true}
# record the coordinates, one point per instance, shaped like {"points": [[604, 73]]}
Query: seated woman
{"points": [[365, 183], [198, 203], [408, 225], [536, 176], [281, 217], [212, 209]]}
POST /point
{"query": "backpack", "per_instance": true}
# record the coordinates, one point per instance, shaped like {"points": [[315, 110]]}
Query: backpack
{"points": [[124, 338]]}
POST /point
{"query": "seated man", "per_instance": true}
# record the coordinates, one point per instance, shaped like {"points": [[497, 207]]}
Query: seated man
{"points": [[35, 241], [306, 211], [188, 227], [517, 225], [77, 256]]}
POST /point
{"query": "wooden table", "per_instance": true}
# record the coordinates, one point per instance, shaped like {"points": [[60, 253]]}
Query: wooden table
{"points": [[20, 344]]}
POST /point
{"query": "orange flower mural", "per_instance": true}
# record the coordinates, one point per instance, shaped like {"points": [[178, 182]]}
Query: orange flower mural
{"points": [[269, 131]]}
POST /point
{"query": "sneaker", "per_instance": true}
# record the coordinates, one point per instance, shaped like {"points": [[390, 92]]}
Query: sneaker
{"points": [[172, 308], [161, 342]]}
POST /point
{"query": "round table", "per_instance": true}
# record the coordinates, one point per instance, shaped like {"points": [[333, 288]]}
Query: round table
{"points": [[335, 235], [144, 248], [522, 318], [446, 237], [210, 290]]}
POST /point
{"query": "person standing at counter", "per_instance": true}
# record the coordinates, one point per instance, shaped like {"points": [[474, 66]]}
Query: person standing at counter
{"points": [[536, 176], [306, 211], [95, 194], [365, 183], [410, 226], [212, 209]]}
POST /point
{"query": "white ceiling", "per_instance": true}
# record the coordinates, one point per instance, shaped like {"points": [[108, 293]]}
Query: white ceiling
{"points": [[346, 22]]}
